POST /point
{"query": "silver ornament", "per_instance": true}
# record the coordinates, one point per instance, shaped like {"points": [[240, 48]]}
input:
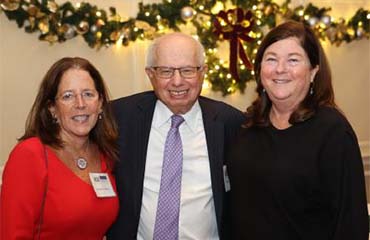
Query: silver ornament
{"points": [[187, 13]]}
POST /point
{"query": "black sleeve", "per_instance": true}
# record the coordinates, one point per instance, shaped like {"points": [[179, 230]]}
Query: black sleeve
{"points": [[343, 185]]}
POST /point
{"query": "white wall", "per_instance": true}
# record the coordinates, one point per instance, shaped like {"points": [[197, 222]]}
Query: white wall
{"points": [[24, 60]]}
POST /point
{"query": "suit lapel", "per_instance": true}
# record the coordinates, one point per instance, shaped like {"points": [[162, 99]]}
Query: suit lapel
{"points": [[145, 116], [214, 130]]}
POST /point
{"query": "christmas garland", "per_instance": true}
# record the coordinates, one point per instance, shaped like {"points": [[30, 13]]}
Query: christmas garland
{"points": [[242, 23]]}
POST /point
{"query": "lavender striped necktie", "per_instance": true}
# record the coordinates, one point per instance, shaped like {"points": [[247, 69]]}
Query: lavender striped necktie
{"points": [[167, 218]]}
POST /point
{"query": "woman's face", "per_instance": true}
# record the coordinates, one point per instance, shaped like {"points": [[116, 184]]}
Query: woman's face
{"points": [[77, 104], [286, 72]]}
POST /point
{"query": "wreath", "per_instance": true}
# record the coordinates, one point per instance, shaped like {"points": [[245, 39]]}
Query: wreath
{"points": [[241, 23]]}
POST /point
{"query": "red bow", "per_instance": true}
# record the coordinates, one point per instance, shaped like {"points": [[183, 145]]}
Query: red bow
{"points": [[233, 25]]}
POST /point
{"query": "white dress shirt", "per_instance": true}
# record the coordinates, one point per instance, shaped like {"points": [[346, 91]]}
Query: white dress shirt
{"points": [[197, 210]]}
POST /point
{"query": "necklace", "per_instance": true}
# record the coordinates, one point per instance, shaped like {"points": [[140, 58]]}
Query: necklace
{"points": [[80, 162]]}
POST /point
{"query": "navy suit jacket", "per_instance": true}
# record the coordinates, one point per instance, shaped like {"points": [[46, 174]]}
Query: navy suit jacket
{"points": [[134, 118]]}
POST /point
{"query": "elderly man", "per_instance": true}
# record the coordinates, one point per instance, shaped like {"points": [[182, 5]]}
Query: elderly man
{"points": [[171, 178]]}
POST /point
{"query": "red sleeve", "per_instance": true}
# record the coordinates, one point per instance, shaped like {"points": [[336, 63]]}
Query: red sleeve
{"points": [[22, 190]]}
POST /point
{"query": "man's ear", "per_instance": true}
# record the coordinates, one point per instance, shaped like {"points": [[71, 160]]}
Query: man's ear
{"points": [[149, 72]]}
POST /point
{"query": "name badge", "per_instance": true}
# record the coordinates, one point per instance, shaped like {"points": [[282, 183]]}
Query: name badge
{"points": [[102, 185], [226, 179]]}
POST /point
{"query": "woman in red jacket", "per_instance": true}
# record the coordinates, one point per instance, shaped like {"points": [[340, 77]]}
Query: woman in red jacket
{"points": [[57, 182]]}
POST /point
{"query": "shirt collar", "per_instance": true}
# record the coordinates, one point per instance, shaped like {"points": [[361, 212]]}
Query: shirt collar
{"points": [[162, 115]]}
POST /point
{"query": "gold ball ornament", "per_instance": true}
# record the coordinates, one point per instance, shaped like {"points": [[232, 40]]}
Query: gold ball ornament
{"points": [[100, 22], [51, 38], [187, 13], [261, 6], [10, 5], [35, 11], [114, 36], [52, 6], [82, 27], [351, 32], [268, 10], [44, 26]]}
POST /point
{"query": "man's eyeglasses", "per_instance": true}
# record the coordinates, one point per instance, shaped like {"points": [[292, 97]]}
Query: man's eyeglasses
{"points": [[168, 72], [70, 97]]}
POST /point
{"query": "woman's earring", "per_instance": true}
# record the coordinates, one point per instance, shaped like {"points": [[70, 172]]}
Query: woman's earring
{"points": [[55, 119], [311, 88], [100, 116]]}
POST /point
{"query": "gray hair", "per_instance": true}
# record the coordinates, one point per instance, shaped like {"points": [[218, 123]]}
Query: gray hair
{"points": [[151, 53]]}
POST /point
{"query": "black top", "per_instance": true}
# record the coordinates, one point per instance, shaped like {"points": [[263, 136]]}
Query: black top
{"points": [[304, 182]]}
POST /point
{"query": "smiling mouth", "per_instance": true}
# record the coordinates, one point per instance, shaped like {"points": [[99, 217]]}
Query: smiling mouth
{"points": [[80, 118], [281, 81], [178, 93]]}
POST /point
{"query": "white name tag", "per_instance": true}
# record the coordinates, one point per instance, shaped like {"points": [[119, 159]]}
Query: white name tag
{"points": [[102, 185], [226, 179]]}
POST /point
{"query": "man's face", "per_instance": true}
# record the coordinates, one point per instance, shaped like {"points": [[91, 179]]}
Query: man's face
{"points": [[178, 91]]}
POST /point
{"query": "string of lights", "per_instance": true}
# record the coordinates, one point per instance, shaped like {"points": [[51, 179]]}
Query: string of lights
{"points": [[240, 23]]}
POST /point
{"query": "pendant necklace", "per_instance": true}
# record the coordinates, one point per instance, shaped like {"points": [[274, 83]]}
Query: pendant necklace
{"points": [[81, 162]]}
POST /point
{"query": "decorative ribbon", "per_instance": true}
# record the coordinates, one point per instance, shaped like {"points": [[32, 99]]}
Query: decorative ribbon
{"points": [[233, 25]]}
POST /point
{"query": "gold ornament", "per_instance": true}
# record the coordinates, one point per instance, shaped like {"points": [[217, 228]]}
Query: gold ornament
{"points": [[149, 33], [51, 38], [52, 6], [187, 13], [351, 32], [100, 22], [44, 25], [147, 29], [35, 11], [32, 10], [115, 18], [10, 5], [268, 10], [125, 36], [142, 24], [31, 22], [98, 35], [114, 36], [82, 27]]}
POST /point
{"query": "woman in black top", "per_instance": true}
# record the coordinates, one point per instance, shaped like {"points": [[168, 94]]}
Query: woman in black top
{"points": [[296, 170]]}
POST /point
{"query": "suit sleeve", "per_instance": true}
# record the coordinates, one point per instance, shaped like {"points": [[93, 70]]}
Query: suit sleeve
{"points": [[21, 193], [235, 120], [342, 175]]}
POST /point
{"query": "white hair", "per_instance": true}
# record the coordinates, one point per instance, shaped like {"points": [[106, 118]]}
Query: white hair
{"points": [[151, 53]]}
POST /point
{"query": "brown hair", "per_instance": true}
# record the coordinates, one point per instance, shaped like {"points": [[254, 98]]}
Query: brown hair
{"points": [[40, 122], [323, 94]]}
